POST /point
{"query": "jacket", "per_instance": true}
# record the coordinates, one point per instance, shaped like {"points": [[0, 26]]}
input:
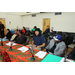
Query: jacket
{"points": [[1, 27], [60, 47], [21, 39], [9, 35]]}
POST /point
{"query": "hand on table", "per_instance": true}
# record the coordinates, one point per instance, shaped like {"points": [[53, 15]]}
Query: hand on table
{"points": [[44, 50]]}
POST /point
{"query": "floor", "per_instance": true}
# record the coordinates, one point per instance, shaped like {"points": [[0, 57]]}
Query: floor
{"points": [[69, 49]]}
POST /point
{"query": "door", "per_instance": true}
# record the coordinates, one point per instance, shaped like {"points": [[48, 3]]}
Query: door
{"points": [[46, 22], [3, 22]]}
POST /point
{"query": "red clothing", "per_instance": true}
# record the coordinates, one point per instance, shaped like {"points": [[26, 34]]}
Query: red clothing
{"points": [[24, 31]]}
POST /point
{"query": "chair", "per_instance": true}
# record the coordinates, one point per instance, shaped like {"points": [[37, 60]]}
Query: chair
{"points": [[68, 41], [26, 41], [54, 32], [27, 33], [51, 36]]}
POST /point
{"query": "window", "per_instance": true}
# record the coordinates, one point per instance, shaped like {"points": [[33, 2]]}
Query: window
{"points": [[34, 15], [58, 13]]}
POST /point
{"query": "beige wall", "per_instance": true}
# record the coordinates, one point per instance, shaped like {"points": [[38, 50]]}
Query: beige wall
{"points": [[64, 22], [16, 20]]}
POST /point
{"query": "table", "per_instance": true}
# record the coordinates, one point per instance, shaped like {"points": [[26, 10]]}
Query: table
{"points": [[18, 56]]}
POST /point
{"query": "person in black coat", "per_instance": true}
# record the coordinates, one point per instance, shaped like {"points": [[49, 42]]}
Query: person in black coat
{"points": [[1, 29], [8, 35], [45, 34], [47, 30], [20, 39]]}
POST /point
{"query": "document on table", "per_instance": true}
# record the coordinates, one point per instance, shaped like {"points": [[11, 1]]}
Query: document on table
{"points": [[41, 54], [67, 60], [23, 49], [9, 44]]}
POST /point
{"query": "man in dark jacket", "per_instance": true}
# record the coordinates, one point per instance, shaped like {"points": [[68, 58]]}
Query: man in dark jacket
{"points": [[47, 30], [1, 29], [45, 34], [20, 39]]}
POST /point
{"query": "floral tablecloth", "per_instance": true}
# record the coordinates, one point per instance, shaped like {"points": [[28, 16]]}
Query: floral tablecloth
{"points": [[15, 55]]}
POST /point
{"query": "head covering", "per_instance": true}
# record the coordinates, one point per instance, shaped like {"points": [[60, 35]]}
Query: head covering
{"points": [[37, 29], [58, 37]]}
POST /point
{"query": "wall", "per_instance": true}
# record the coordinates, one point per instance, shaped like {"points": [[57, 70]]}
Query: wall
{"points": [[64, 22], [16, 20]]}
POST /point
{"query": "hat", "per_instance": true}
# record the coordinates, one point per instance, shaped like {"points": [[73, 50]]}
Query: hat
{"points": [[57, 37], [37, 29]]}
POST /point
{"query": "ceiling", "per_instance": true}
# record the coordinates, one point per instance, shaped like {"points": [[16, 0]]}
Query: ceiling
{"points": [[23, 13]]}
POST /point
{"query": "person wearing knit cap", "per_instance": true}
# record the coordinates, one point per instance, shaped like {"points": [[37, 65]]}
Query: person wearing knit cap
{"points": [[38, 39], [56, 46]]}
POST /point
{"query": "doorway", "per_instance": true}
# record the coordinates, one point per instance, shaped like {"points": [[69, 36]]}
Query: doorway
{"points": [[3, 22], [46, 22]]}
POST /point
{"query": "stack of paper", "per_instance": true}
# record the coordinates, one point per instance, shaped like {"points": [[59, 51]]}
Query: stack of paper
{"points": [[23, 49], [67, 60], [9, 44], [41, 54]]}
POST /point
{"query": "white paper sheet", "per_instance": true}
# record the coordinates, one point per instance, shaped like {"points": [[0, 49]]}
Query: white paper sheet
{"points": [[9, 44], [23, 49], [62, 60], [41, 54]]}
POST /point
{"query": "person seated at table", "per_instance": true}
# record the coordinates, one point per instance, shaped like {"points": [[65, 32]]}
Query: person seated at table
{"points": [[8, 35], [56, 46], [38, 39], [20, 38], [24, 30], [14, 36]]}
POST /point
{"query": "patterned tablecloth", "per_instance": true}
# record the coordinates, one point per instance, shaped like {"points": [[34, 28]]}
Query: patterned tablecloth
{"points": [[18, 56]]}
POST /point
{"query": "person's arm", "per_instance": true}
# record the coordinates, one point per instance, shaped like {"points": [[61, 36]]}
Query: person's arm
{"points": [[32, 44], [46, 47], [60, 51], [41, 45]]}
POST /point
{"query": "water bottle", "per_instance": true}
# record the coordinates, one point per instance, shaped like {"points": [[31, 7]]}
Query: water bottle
{"points": [[11, 46], [33, 47]]}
